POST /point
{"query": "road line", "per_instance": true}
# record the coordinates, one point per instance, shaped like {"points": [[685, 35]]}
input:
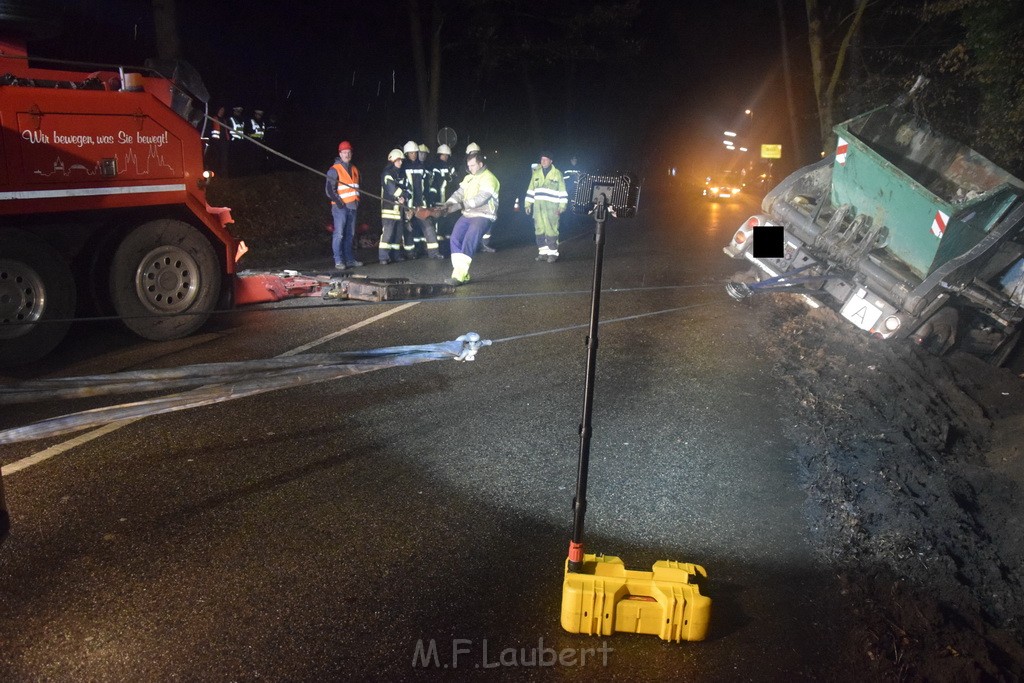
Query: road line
{"points": [[351, 328], [57, 449]]}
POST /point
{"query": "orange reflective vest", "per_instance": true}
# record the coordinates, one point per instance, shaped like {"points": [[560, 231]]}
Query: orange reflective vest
{"points": [[348, 185]]}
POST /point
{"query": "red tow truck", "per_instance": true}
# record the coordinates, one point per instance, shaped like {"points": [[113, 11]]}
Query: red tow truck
{"points": [[103, 205]]}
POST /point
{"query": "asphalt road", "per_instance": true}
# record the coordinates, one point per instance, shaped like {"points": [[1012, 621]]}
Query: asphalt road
{"points": [[326, 532]]}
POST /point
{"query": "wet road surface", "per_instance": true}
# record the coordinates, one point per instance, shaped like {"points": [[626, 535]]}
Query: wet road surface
{"points": [[331, 531]]}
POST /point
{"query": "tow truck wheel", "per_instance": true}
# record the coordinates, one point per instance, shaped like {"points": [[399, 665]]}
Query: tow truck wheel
{"points": [[164, 280], [37, 296]]}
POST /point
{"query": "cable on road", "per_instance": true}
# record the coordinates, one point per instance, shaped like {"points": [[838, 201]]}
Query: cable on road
{"points": [[274, 373], [287, 305], [219, 382], [603, 322], [187, 376]]}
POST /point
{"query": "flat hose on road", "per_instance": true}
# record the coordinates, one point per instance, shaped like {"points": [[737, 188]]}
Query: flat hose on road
{"points": [[217, 382]]}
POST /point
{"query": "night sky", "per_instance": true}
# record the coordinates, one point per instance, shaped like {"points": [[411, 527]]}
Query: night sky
{"points": [[333, 70]]}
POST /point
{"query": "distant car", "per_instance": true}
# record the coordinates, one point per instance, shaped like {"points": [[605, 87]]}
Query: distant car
{"points": [[725, 185]]}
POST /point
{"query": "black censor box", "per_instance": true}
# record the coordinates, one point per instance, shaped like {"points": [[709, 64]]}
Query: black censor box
{"points": [[769, 241]]}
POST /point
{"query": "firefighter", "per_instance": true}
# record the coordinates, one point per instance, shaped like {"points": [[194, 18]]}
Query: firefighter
{"points": [[217, 145], [343, 191], [393, 194], [572, 176], [444, 183], [546, 199], [418, 230], [272, 138], [414, 187], [256, 129], [485, 239], [567, 220], [477, 199], [237, 149], [236, 122], [429, 224], [256, 126]]}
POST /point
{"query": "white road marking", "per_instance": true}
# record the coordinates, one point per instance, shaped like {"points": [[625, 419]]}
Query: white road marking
{"points": [[57, 449], [350, 328]]}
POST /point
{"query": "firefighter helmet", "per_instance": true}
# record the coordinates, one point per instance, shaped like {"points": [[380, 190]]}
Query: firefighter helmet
{"points": [[395, 154], [411, 147], [424, 148], [444, 149], [472, 147]]}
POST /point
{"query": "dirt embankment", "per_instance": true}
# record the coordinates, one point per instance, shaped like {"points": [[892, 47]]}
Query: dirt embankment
{"points": [[913, 470], [282, 216]]}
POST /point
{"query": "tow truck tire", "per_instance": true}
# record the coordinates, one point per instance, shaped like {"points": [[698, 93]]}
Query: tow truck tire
{"points": [[164, 280], [35, 286]]}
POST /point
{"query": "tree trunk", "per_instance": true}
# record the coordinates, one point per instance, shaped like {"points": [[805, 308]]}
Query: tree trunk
{"points": [[815, 41], [434, 105], [166, 22], [418, 59], [826, 95], [531, 101], [787, 77]]}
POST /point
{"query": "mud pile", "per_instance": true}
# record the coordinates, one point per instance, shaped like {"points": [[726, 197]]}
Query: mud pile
{"points": [[912, 468]]}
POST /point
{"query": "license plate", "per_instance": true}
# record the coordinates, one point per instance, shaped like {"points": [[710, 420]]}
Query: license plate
{"points": [[861, 312]]}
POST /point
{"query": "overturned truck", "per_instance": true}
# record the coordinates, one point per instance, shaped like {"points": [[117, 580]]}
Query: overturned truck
{"points": [[906, 233]]}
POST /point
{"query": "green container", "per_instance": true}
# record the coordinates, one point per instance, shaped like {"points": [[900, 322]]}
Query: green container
{"points": [[893, 168]]}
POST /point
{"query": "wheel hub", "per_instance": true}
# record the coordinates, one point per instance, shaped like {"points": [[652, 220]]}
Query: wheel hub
{"points": [[22, 298], [167, 280]]}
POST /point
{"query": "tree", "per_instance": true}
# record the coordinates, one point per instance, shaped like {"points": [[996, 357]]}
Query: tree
{"points": [[426, 41], [972, 51], [165, 19], [549, 48], [825, 94]]}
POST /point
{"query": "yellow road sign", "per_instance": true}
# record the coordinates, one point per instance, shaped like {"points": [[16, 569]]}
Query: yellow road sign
{"points": [[771, 151]]}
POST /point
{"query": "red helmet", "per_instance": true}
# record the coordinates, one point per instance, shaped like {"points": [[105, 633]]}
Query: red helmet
{"points": [[345, 144]]}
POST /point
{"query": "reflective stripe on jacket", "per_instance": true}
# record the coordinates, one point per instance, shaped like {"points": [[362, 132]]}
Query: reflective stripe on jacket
{"points": [[477, 195], [342, 185], [237, 127], [547, 188], [392, 188], [414, 182]]}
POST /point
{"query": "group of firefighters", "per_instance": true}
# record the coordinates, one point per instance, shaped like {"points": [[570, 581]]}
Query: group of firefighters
{"points": [[227, 159], [419, 198]]}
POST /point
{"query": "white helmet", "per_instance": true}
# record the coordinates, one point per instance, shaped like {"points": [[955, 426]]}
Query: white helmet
{"points": [[424, 148], [395, 155], [472, 147], [411, 147], [444, 149]]}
